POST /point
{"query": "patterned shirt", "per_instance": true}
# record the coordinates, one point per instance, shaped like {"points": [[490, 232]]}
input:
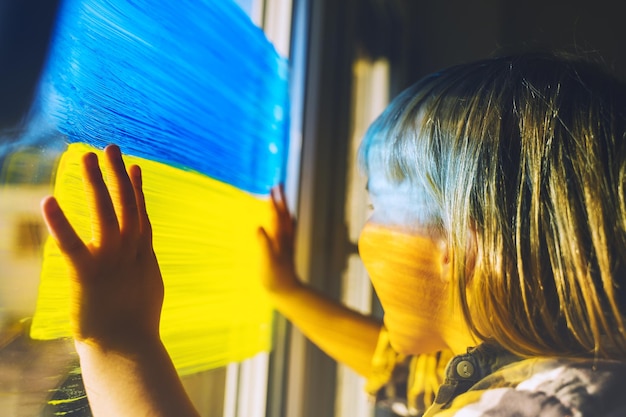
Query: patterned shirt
{"points": [[489, 381]]}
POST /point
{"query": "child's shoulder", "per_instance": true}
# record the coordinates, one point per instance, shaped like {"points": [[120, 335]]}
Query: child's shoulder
{"points": [[547, 387]]}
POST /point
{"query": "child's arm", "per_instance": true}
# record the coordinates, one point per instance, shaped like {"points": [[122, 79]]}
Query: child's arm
{"points": [[116, 297], [344, 334]]}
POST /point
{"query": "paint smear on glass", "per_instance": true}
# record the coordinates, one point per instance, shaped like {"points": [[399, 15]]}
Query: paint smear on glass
{"points": [[215, 309], [193, 84]]}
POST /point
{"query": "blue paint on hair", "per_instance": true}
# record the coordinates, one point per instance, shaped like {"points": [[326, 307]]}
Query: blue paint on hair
{"points": [[190, 83]]}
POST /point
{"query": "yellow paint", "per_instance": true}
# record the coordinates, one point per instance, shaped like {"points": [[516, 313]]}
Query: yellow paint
{"points": [[215, 309], [405, 270], [67, 400], [410, 272]]}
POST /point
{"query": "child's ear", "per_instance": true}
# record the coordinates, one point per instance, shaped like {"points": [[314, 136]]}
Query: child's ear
{"points": [[446, 255], [444, 249]]}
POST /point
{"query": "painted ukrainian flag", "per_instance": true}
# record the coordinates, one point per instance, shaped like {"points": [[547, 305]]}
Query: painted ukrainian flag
{"points": [[194, 93]]}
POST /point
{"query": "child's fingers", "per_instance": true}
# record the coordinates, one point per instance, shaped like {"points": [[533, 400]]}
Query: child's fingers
{"points": [[62, 231], [283, 216], [279, 200], [267, 244], [263, 237], [142, 212], [104, 224], [122, 191]]}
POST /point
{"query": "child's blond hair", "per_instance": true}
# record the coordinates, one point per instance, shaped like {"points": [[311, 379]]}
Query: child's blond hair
{"points": [[524, 160]]}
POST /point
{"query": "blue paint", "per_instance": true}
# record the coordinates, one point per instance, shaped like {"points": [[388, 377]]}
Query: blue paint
{"points": [[246, 5], [191, 83]]}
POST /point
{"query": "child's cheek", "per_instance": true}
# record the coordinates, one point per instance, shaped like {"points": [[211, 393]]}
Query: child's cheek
{"points": [[406, 274]]}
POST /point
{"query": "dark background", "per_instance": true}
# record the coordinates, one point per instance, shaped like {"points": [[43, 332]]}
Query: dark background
{"points": [[419, 36], [25, 26]]}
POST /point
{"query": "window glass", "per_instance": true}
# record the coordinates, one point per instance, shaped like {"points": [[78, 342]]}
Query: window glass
{"points": [[39, 376]]}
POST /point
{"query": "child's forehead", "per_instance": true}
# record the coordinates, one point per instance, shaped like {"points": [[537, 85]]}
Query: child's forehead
{"points": [[380, 181], [395, 137], [388, 165], [401, 203]]}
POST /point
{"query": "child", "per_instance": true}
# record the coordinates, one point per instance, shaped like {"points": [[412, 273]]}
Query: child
{"points": [[498, 234]]}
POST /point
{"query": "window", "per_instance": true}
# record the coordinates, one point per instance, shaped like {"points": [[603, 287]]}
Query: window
{"points": [[236, 390], [329, 88]]}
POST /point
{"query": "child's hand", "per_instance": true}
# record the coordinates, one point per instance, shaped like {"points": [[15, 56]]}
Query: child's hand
{"points": [[116, 285], [278, 243]]}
